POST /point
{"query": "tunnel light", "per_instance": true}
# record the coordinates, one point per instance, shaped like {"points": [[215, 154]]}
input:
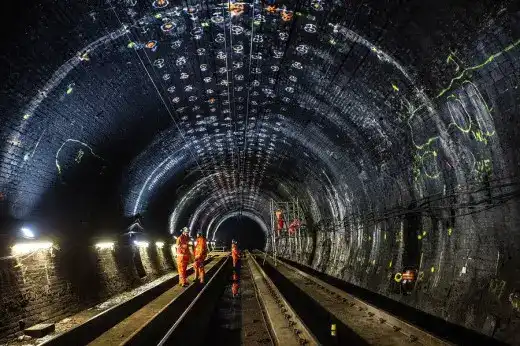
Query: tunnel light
{"points": [[26, 248], [27, 233], [159, 244], [139, 243], [105, 245]]}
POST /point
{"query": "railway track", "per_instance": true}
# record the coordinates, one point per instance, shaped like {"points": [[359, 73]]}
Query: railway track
{"points": [[146, 318], [258, 303], [337, 317], [350, 319]]}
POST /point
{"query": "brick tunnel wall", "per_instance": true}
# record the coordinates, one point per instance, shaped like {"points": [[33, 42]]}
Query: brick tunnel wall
{"points": [[453, 283], [49, 285]]}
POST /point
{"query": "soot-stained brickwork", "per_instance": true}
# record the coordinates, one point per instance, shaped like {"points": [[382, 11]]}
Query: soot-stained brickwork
{"points": [[394, 124], [48, 285]]}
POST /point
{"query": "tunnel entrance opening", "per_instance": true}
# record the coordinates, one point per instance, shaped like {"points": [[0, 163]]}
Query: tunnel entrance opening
{"points": [[246, 231]]}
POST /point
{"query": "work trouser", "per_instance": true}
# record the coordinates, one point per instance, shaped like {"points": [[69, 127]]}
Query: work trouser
{"points": [[199, 269], [182, 265]]}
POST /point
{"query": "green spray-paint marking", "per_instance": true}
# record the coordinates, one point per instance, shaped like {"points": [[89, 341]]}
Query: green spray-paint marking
{"points": [[477, 67]]}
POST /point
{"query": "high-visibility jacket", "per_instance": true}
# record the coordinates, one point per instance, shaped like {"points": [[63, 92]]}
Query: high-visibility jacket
{"points": [[293, 227], [234, 251], [201, 248], [183, 249], [279, 220]]}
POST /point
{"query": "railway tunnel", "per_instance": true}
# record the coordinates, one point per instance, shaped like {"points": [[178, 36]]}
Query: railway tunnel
{"points": [[392, 126]]}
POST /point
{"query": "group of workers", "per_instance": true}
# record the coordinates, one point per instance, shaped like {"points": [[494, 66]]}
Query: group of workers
{"points": [[200, 251]]}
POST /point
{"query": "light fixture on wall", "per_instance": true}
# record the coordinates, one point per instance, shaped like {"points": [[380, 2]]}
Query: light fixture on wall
{"points": [[27, 233], [159, 244], [140, 243], [105, 245], [27, 248]]}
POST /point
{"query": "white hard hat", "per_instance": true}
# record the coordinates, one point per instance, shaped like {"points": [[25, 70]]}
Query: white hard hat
{"points": [[185, 230]]}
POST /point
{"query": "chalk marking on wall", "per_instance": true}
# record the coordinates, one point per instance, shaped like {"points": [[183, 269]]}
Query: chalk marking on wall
{"points": [[78, 142], [438, 275]]}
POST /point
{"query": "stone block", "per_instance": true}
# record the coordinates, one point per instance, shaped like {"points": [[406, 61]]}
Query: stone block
{"points": [[39, 330]]}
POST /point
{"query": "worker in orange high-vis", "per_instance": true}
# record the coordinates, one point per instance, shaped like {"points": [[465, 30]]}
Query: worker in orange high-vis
{"points": [[235, 254], [183, 256], [201, 251]]}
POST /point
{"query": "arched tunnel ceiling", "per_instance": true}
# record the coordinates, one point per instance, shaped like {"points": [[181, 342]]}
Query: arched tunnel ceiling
{"points": [[189, 111]]}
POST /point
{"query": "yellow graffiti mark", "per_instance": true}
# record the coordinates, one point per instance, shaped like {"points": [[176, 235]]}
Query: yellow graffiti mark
{"points": [[390, 264], [432, 269], [478, 134], [450, 230], [484, 168], [395, 87], [451, 59], [496, 287], [419, 162], [398, 277], [477, 67]]}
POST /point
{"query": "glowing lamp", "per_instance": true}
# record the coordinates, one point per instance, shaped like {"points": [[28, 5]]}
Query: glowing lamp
{"points": [[159, 244], [27, 233], [139, 243], [27, 248], [105, 245]]}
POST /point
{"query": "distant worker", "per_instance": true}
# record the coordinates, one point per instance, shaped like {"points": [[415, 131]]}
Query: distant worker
{"points": [[235, 254], [294, 226], [279, 221], [183, 256], [201, 251]]}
